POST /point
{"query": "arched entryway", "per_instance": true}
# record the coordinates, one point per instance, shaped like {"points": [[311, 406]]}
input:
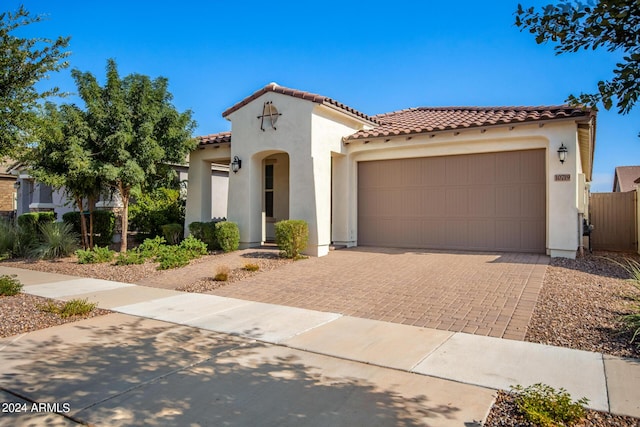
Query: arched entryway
{"points": [[275, 192]]}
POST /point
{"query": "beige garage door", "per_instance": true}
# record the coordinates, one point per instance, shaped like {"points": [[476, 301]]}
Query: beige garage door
{"points": [[492, 201]]}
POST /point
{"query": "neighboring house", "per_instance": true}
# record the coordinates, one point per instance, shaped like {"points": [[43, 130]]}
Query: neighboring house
{"points": [[455, 178], [626, 178], [33, 196], [7, 190]]}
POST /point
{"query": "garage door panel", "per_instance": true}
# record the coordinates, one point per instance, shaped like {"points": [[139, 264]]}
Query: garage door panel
{"points": [[433, 202], [492, 201], [483, 201], [482, 234], [433, 171], [457, 202]]}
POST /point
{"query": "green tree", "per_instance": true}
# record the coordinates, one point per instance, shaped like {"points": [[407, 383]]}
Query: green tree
{"points": [[64, 157], [613, 25], [23, 63], [136, 130]]}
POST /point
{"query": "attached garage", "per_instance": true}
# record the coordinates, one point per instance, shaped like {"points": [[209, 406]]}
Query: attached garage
{"points": [[487, 202]]}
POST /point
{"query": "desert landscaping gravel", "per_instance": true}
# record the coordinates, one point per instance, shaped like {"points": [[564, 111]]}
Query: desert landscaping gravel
{"points": [[20, 314]]}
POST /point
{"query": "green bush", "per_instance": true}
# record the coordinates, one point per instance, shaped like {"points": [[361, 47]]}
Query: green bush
{"points": [[28, 223], [10, 285], [631, 321], [57, 240], [172, 233], [130, 257], [151, 211], [206, 232], [151, 248], [195, 247], [103, 225], [74, 307], [46, 217], [291, 237], [544, 406], [8, 239], [96, 255], [173, 258], [227, 235]]}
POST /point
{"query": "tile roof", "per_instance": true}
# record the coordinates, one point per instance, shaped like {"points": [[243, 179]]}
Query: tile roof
{"points": [[318, 99], [429, 119], [625, 178], [214, 138]]}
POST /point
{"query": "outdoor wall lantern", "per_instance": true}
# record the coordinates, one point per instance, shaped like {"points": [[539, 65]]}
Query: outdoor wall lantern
{"points": [[562, 153], [236, 164], [16, 185]]}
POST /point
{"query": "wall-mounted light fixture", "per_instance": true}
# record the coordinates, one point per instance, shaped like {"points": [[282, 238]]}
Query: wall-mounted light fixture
{"points": [[562, 153], [236, 164], [16, 185]]}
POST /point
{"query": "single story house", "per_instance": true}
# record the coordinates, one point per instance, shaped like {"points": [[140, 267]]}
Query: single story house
{"points": [[452, 178], [626, 178]]}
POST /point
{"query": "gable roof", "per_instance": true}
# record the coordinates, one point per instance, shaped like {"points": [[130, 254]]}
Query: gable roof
{"points": [[429, 119], [318, 99], [625, 177]]}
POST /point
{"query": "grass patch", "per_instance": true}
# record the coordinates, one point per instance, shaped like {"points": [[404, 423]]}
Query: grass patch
{"points": [[251, 267], [9, 285], [74, 307], [547, 407]]}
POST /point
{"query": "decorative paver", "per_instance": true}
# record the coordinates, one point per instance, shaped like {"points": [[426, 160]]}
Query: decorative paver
{"points": [[489, 294]]}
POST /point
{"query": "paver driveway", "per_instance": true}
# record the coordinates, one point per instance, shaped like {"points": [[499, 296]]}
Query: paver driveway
{"points": [[480, 293]]}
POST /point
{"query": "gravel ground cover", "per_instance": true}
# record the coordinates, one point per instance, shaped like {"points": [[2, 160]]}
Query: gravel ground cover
{"points": [[20, 314], [266, 262], [581, 302]]}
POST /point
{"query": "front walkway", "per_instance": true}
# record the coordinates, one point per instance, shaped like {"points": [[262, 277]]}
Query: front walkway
{"points": [[490, 294]]}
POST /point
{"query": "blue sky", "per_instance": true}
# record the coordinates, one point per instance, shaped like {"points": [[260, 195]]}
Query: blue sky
{"points": [[373, 56]]}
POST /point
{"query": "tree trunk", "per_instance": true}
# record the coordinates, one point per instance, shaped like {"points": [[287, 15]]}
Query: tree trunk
{"points": [[124, 193], [91, 203], [83, 223]]}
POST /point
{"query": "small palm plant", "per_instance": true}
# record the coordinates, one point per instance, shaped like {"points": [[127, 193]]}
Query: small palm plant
{"points": [[57, 240]]}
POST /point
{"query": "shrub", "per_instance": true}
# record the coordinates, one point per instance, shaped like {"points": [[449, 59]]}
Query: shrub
{"points": [[206, 232], [103, 225], [172, 233], [8, 239], [251, 267], [74, 307], [291, 237], [173, 257], [543, 405], [154, 209], [28, 223], [58, 240], [129, 258], [227, 235], [632, 321], [10, 285], [151, 248], [222, 274], [196, 248], [96, 255]]}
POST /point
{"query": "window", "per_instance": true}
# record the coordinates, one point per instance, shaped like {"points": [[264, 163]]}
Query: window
{"points": [[268, 191]]}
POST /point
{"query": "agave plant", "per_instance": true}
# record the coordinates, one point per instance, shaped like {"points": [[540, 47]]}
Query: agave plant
{"points": [[57, 240]]}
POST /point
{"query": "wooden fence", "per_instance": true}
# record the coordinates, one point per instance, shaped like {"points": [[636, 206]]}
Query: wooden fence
{"points": [[613, 216]]}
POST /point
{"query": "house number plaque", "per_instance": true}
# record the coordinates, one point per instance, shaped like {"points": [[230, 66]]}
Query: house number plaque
{"points": [[563, 177]]}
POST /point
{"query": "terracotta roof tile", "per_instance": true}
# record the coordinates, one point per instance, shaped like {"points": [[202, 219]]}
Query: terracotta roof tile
{"points": [[428, 119], [318, 99], [215, 138]]}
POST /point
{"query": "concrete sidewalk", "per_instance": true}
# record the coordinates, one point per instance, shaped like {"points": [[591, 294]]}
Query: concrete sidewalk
{"points": [[169, 352]]}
